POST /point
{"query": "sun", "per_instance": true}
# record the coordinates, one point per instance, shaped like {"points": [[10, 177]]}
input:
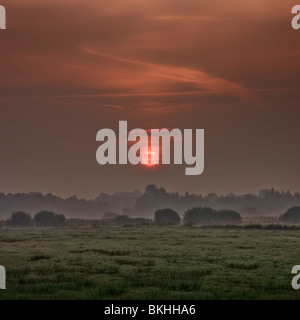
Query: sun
{"points": [[148, 157]]}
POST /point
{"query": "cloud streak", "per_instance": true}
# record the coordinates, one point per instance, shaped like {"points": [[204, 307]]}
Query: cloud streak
{"points": [[69, 68], [150, 75]]}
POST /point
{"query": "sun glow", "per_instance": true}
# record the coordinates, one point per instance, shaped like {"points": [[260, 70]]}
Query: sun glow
{"points": [[148, 158]]}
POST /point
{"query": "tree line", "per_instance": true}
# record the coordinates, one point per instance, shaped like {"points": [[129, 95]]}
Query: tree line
{"points": [[209, 216], [267, 201], [144, 204], [194, 216]]}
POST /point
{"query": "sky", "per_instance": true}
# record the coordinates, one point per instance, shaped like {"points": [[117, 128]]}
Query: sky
{"points": [[71, 68]]}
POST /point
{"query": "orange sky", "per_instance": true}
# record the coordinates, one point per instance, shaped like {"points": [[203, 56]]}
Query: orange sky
{"points": [[70, 68]]}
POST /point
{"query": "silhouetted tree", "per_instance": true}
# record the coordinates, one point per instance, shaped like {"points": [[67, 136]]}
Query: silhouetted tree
{"points": [[210, 216], [198, 215], [151, 189], [20, 219], [292, 215], [49, 219], [167, 217], [227, 217]]}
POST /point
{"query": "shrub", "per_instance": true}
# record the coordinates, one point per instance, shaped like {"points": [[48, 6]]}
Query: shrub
{"points": [[49, 219], [208, 216], [292, 215], [20, 219], [167, 217], [228, 217], [199, 215]]}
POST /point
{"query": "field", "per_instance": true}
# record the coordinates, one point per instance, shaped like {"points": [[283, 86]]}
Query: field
{"points": [[149, 263]]}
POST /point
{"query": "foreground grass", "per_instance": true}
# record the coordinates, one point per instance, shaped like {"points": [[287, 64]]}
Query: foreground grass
{"points": [[149, 263]]}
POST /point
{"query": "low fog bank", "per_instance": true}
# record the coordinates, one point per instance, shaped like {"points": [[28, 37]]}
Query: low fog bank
{"points": [[267, 202]]}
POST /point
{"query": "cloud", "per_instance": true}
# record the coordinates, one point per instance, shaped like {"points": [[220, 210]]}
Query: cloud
{"points": [[142, 77], [131, 49], [69, 68]]}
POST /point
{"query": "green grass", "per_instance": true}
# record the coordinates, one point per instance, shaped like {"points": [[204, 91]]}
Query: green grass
{"points": [[149, 263]]}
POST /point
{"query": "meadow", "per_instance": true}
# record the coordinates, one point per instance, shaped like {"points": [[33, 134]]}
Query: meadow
{"points": [[149, 263]]}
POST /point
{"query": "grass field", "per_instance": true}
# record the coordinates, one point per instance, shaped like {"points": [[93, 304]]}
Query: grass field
{"points": [[149, 263]]}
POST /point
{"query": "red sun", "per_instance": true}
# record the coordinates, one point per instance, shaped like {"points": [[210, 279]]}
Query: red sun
{"points": [[148, 157]]}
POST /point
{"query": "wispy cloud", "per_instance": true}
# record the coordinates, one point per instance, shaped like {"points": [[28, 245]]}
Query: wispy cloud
{"points": [[142, 76]]}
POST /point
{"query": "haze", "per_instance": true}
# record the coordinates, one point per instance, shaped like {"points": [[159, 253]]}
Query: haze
{"points": [[69, 69]]}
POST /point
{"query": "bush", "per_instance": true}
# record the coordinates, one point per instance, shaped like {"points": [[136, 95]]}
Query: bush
{"points": [[49, 219], [228, 217], [20, 219], [292, 215], [208, 216], [198, 215], [167, 217]]}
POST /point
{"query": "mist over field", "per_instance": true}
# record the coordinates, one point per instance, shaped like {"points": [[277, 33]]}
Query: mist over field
{"points": [[144, 204]]}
